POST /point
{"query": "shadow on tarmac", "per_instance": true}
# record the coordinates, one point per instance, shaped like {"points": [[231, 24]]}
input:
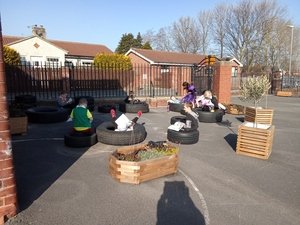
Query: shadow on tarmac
{"points": [[176, 207]]}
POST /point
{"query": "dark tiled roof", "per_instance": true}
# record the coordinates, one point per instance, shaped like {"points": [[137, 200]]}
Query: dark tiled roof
{"points": [[170, 57], [73, 48]]}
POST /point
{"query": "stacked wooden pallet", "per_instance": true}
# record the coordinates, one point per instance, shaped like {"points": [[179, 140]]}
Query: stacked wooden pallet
{"points": [[254, 141], [284, 93], [255, 135]]}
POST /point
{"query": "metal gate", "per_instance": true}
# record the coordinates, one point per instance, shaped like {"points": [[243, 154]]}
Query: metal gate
{"points": [[202, 78]]}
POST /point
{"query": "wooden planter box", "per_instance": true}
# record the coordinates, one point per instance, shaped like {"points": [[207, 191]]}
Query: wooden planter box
{"points": [[284, 93], [234, 109], [137, 172], [255, 142], [18, 125], [258, 115]]}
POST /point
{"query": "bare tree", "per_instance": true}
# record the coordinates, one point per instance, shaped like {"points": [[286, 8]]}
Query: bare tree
{"points": [[185, 35], [220, 14], [248, 28], [161, 40], [205, 27]]}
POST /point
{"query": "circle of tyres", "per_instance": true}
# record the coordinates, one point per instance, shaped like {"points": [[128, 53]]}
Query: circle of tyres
{"points": [[210, 117], [175, 107], [90, 100], [183, 137], [25, 99], [80, 141], [134, 107], [107, 135], [175, 119], [45, 114], [106, 108]]}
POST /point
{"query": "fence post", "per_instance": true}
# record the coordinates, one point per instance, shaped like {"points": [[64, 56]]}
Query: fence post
{"points": [[222, 81]]}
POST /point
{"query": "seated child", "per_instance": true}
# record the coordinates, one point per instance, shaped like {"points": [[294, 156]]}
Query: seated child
{"points": [[124, 125], [173, 99], [64, 100], [191, 115], [205, 101], [82, 118]]}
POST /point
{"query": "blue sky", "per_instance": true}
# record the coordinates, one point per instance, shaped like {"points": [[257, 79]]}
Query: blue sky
{"points": [[104, 22]]}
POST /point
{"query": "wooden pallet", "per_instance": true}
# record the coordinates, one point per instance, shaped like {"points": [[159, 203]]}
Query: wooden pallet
{"points": [[18, 125], [258, 115], [138, 172], [255, 142], [234, 109], [284, 93]]}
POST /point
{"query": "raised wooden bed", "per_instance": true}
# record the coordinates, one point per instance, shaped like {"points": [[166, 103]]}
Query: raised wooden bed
{"points": [[234, 109], [259, 115], [18, 125], [255, 141], [137, 172], [284, 93]]}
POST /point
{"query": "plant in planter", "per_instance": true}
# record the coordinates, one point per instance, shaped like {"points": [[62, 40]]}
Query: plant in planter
{"points": [[18, 120], [254, 89], [139, 163], [255, 135]]}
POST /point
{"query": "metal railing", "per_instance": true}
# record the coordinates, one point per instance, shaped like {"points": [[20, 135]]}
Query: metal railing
{"points": [[144, 80]]}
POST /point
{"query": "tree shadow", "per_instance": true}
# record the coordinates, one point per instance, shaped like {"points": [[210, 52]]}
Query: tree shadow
{"points": [[176, 207], [231, 139]]}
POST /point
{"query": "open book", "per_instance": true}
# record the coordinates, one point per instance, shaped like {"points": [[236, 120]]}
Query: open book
{"points": [[177, 126]]}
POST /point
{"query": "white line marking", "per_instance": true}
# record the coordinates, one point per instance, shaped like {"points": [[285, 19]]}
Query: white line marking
{"points": [[202, 200]]}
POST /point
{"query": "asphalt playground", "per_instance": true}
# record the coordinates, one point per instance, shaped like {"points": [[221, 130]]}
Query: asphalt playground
{"points": [[58, 185]]}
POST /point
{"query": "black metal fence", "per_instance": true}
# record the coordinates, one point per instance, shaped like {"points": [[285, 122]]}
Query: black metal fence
{"points": [[143, 80]]}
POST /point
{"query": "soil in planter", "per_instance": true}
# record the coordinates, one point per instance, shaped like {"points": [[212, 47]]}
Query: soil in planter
{"points": [[151, 151]]}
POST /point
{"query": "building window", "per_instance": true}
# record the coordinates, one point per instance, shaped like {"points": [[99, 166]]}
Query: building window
{"points": [[234, 71], [85, 63], [23, 60], [52, 62], [164, 69]]}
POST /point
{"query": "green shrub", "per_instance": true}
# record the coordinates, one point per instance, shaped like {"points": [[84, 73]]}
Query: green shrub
{"points": [[113, 61], [11, 56]]}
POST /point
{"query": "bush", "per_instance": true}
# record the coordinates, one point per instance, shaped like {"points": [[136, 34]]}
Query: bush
{"points": [[114, 61], [11, 56]]}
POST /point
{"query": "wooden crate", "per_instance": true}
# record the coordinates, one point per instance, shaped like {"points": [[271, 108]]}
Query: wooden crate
{"points": [[18, 125], [284, 93], [234, 109], [255, 142], [137, 172], [259, 115]]}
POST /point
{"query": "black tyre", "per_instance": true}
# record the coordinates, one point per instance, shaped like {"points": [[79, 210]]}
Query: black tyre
{"points": [[80, 141], [175, 119], [26, 101], [90, 100], [106, 108], [210, 117], [107, 135], [45, 114], [134, 107], [175, 107], [183, 137]]}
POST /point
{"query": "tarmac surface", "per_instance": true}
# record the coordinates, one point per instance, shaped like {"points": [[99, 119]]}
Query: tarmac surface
{"points": [[214, 185]]}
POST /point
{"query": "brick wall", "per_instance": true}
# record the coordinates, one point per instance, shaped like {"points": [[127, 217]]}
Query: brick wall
{"points": [[222, 81], [8, 199]]}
